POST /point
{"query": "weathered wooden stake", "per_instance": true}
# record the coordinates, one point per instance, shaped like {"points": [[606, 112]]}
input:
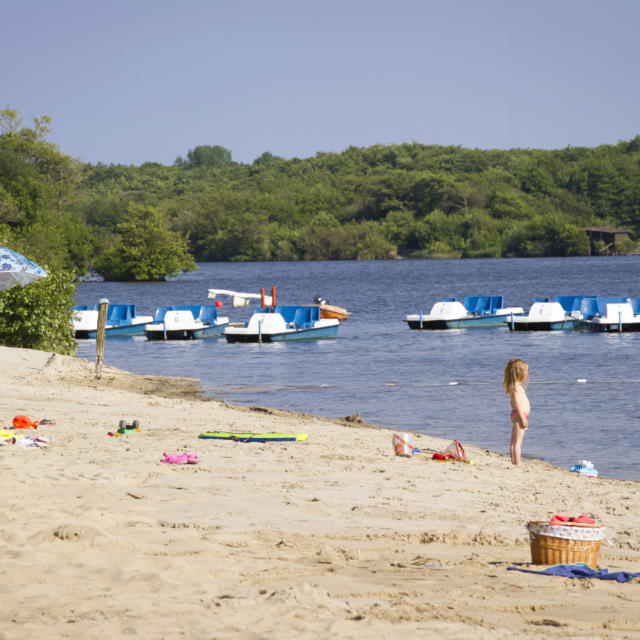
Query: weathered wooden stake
{"points": [[102, 322]]}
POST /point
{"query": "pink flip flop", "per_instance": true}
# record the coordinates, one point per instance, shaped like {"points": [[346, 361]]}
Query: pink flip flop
{"points": [[182, 458]]}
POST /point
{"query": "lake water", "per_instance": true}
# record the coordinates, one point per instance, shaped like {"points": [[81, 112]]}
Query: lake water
{"points": [[444, 383]]}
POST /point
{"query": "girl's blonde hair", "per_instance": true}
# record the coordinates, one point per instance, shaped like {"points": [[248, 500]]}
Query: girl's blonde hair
{"points": [[516, 372]]}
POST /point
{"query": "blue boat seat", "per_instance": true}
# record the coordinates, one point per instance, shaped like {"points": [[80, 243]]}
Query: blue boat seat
{"points": [[572, 303], [471, 303], [209, 313], [306, 316], [569, 303], [298, 316], [495, 303], [160, 313], [120, 314], [588, 308], [301, 317], [483, 305]]}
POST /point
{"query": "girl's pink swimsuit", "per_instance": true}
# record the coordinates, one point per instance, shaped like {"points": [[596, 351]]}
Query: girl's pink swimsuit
{"points": [[514, 414]]}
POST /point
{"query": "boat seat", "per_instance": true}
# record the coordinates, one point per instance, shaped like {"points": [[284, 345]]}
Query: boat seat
{"points": [[472, 304], [306, 316], [571, 303], [209, 313], [482, 305], [495, 303], [588, 307], [120, 313], [300, 316], [158, 316]]}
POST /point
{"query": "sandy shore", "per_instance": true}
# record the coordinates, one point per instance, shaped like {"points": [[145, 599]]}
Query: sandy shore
{"points": [[312, 539]]}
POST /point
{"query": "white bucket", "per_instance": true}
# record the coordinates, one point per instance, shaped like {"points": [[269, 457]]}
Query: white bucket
{"points": [[402, 444]]}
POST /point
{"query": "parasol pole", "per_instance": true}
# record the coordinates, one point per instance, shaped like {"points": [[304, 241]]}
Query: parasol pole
{"points": [[102, 322]]}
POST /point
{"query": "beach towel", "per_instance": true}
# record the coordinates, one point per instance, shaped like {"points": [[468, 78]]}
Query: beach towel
{"points": [[581, 570], [578, 520], [182, 458]]}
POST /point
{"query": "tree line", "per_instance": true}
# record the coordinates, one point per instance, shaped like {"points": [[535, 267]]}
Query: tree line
{"points": [[408, 200]]}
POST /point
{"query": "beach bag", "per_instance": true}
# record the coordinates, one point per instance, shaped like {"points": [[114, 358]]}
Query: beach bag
{"points": [[455, 451]]}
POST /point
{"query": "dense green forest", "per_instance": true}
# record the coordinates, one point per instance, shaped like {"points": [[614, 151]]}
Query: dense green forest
{"points": [[408, 200], [380, 202]]}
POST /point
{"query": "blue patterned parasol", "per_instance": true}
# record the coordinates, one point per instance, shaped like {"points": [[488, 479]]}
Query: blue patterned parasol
{"points": [[16, 269]]}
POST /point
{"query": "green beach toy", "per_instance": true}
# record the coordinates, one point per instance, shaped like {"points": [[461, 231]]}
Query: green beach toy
{"points": [[125, 427]]}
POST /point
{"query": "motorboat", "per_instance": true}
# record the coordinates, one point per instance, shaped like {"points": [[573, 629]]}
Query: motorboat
{"points": [[473, 311], [283, 322], [549, 315], [186, 322], [122, 320], [328, 310], [614, 314]]}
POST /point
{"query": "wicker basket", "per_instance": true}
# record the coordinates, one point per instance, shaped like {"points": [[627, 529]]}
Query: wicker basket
{"points": [[565, 544]]}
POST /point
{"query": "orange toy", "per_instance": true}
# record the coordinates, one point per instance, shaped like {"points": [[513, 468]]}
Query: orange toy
{"points": [[22, 422]]}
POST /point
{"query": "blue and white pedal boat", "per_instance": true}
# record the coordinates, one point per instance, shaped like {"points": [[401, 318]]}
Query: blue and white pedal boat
{"points": [[186, 322], [611, 315], [283, 323], [549, 315], [474, 311], [122, 320]]}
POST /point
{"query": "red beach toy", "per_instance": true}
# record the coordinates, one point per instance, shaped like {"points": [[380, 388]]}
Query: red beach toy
{"points": [[22, 422]]}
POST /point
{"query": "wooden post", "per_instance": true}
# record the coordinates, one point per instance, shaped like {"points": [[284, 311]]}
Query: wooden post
{"points": [[102, 322]]}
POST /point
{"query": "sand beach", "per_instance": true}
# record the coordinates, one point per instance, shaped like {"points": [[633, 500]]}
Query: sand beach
{"points": [[333, 537]]}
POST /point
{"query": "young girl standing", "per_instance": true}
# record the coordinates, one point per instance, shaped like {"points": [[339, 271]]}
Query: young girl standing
{"points": [[516, 376]]}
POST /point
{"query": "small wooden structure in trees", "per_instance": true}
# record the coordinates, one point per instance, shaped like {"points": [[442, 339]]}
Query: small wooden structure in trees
{"points": [[607, 237]]}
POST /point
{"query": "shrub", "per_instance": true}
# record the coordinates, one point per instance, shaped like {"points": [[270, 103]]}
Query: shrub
{"points": [[38, 316]]}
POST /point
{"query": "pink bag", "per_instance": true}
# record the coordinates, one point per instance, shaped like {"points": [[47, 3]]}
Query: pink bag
{"points": [[455, 451]]}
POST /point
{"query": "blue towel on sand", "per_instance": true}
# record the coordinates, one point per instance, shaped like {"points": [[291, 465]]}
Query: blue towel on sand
{"points": [[581, 570]]}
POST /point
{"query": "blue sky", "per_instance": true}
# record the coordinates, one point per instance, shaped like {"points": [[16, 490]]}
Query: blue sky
{"points": [[131, 81]]}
